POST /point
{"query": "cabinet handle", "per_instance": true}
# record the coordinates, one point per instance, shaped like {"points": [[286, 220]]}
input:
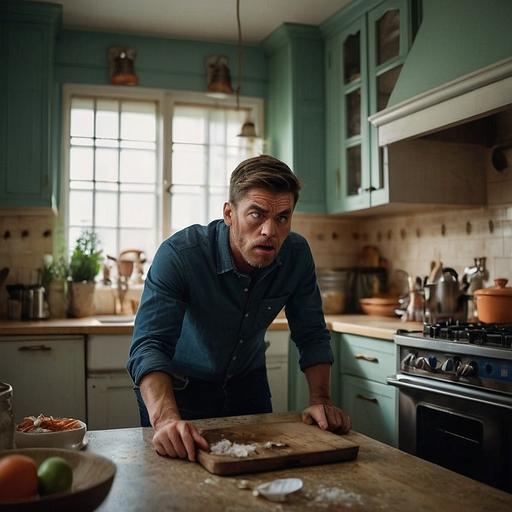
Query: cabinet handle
{"points": [[367, 398], [370, 189], [338, 183], [371, 359], [34, 347]]}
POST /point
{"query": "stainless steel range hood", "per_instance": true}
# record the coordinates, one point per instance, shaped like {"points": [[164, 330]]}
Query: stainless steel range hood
{"points": [[476, 95]]}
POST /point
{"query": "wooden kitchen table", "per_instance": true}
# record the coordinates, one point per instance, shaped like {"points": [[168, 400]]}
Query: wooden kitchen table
{"points": [[381, 478]]}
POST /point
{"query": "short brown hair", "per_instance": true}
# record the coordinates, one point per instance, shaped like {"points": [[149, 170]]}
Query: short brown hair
{"points": [[265, 172]]}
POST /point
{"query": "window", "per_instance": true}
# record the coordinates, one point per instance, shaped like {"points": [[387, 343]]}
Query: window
{"points": [[141, 164]]}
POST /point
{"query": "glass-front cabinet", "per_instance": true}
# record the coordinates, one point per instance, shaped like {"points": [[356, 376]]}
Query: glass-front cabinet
{"points": [[363, 62]]}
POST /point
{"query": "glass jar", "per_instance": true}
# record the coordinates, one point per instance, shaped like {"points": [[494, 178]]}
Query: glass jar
{"points": [[6, 417], [333, 288]]}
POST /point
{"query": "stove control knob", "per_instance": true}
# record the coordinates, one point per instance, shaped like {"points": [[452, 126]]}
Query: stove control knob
{"points": [[447, 366], [432, 361], [467, 369]]}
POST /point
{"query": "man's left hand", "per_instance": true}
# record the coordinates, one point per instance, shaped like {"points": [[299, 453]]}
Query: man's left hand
{"points": [[327, 417]]}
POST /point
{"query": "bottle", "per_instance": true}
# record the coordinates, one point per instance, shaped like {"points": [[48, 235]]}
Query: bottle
{"points": [[6, 417]]}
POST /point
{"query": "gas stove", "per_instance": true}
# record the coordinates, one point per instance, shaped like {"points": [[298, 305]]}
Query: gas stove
{"points": [[477, 355]]}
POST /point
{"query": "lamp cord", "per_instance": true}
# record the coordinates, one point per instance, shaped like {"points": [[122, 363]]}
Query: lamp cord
{"points": [[239, 55]]}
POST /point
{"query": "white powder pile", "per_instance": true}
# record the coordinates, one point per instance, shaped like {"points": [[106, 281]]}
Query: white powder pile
{"points": [[226, 447], [334, 495]]}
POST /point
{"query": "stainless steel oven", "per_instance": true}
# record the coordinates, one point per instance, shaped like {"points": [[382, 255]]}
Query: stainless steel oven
{"points": [[455, 398]]}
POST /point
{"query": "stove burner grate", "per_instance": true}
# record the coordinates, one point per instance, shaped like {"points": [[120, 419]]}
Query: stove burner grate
{"points": [[497, 335]]}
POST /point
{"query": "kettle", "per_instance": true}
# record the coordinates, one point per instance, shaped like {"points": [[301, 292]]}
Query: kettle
{"points": [[34, 305], [451, 299]]}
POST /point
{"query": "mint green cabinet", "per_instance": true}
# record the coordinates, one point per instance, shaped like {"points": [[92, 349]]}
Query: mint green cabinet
{"points": [[364, 54], [27, 38], [363, 365], [295, 108]]}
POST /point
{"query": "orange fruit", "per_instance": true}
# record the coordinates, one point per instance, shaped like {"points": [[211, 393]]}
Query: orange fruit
{"points": [[18, 477]]}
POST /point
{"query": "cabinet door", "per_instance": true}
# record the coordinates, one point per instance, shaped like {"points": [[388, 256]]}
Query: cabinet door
{"points": [[47, 375], [371, 407], [389, 40], [111, 401], [26, 58], [353, 176]]}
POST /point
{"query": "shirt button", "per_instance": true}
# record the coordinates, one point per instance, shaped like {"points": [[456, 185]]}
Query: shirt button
{"points": [[246, 315], [241, 341], [246, 289], [234, 358]]}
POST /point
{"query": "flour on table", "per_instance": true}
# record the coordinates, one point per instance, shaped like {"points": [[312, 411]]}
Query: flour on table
{"points": [[328, 495], [226, 447]]}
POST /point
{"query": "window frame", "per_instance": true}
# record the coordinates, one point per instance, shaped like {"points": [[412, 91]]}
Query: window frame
{"points": [[165, 100]]}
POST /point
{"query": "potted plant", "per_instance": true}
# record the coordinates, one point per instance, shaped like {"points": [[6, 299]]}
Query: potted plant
{"points": [[84, 266]]}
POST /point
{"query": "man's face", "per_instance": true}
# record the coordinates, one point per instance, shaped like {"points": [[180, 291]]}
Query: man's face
{"points": [[259, 225]]}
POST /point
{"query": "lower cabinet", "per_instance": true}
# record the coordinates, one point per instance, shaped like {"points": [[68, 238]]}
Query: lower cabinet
{"points": [[47, 375], [277, 368], [363, 366], [111, 401]]}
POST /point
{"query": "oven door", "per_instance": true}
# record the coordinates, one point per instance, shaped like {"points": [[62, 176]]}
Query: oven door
{"points": [[466, 430]]}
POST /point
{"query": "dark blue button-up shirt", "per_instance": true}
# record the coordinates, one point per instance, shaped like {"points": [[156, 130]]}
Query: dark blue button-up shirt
{"points": [[199, 317]]}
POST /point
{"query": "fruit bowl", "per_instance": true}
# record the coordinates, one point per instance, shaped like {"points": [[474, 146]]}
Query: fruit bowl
{"points": [[92, 479], [70, 439]]}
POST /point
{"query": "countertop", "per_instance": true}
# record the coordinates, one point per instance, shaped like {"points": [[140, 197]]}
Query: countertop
{"points": [[364, 325], [380, 478]]}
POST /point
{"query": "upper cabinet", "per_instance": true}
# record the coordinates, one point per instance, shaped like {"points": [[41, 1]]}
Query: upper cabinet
{"points": [[363, 61], [295, 108], [27, 39]]}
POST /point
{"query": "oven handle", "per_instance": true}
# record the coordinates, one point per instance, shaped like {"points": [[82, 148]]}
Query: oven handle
{"points": [[474, 395]]}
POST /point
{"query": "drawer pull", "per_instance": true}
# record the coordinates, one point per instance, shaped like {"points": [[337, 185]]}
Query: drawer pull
{"points": [[371, 359], [367, 398], [34, 347]]}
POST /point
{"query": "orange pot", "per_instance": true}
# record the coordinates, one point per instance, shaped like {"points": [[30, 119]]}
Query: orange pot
{"points": [[494, 304]]}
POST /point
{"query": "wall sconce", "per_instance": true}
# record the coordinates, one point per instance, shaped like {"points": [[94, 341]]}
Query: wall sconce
{"points": [[218, 78], [121, 61]]}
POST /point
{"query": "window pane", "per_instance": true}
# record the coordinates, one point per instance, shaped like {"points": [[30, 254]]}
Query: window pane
{"points": [[188, 125], [385, 85], [354, 170], [107, 119], [81, 163], [137, 210], [138, 120], [80, 203], [82, 117], [106, 164], [137, 166], [388, 36], [354, 113], [106, 209], [216, 199], [352, 57], [188, 207], [188, 164], [218, 172]]}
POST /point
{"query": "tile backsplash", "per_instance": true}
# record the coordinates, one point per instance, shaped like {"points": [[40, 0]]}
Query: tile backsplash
{"points": [[409, 242]]}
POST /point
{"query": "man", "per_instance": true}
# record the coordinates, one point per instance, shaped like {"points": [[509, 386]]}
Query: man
{"points": [[212, 291]]}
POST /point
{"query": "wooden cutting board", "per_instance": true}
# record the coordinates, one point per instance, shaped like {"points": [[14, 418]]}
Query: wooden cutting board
{"points": [[272, 446]]}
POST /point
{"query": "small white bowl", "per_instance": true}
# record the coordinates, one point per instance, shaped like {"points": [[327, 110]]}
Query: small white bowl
{"points": [[70, 439]]}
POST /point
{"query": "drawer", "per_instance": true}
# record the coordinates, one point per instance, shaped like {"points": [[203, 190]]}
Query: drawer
{"points": [[372, 408], [106, 352], [368, 358]]}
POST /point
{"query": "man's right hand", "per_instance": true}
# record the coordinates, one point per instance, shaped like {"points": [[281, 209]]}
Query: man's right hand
{"points": [[179, 438]]}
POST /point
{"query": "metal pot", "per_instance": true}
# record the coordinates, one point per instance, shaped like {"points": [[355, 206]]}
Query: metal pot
{"points": [[494, 304]]}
